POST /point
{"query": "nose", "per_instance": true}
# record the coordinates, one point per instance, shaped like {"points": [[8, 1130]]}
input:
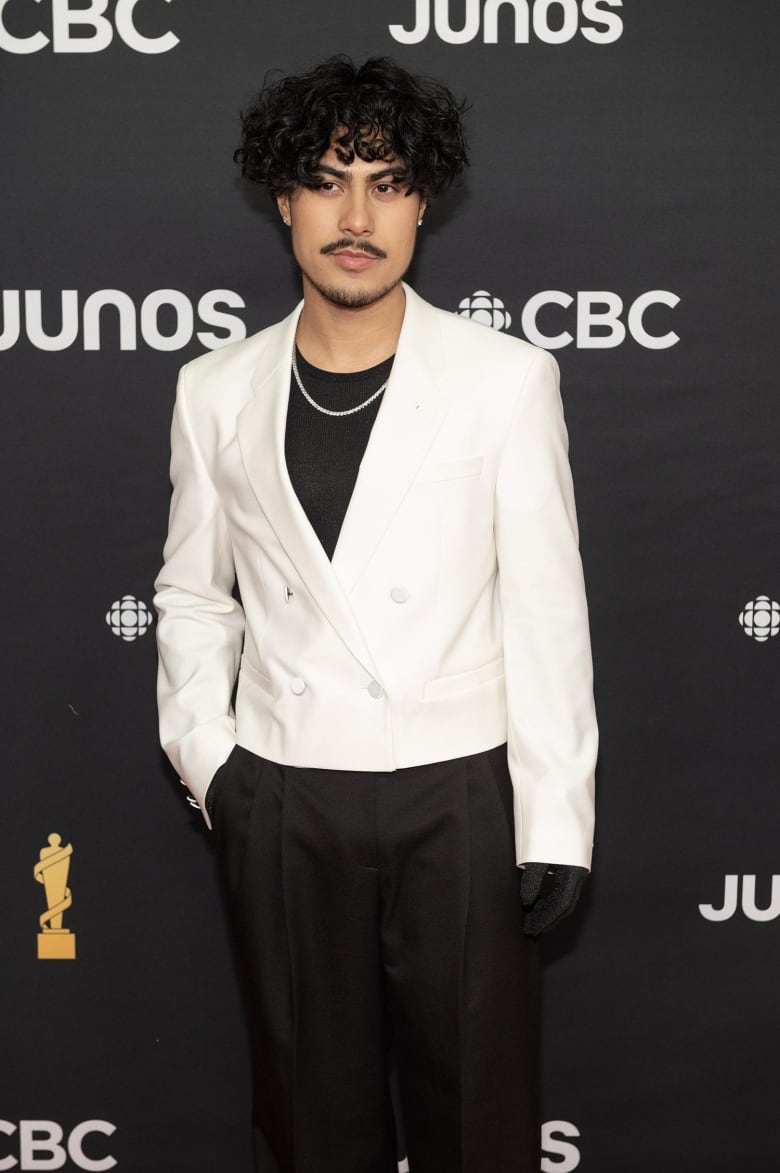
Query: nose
{"points": [[356, 217]]}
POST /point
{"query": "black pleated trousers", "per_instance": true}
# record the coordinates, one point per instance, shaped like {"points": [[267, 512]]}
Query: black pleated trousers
{"points": [[378, 915]]}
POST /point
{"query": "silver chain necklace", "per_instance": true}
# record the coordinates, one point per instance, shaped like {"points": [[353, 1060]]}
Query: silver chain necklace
{"points": [[327, 410]]}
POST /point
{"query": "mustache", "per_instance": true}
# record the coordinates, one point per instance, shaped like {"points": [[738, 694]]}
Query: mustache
{"points": [[364, 246]]}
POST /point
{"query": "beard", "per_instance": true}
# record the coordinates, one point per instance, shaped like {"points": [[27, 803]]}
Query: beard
{"points": [[351, 298]]}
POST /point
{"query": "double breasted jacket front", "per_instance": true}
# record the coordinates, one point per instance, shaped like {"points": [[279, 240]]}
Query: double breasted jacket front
{"points": [[452, 615]]}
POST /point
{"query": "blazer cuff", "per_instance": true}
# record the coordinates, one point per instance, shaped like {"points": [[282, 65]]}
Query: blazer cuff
{"points": [[554, 845]]}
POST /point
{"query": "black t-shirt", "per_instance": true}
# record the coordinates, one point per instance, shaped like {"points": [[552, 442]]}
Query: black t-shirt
{"points": [[323, 452]]}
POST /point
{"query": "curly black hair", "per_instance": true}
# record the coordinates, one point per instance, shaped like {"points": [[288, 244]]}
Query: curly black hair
{"points": [[381, 112]]}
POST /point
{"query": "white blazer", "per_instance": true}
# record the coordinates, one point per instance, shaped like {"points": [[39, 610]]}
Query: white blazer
{"points": [[452, 616]]}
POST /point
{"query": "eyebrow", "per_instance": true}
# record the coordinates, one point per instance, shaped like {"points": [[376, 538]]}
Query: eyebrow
{"points": [[394, 172]]}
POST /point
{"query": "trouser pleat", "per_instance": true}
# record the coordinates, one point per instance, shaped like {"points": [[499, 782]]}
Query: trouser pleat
{"points": [[303, 890], [463, 978]]}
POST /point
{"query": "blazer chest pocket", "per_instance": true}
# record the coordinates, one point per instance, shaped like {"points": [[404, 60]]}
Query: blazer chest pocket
{"points": [[450, 470]]}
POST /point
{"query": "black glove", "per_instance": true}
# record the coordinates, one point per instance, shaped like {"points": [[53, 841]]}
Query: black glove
{"points": [[550, 891]]}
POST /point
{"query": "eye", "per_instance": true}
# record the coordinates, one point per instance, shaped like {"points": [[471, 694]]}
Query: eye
{"points": [[326, 186], [385, 188]]}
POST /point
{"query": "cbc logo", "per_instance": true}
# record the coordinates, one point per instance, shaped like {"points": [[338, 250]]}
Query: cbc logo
{"points": [[760, 618], [598, 318], [484, 308], [97, 30], [731, 901], [165, 319], [552, 21], [40, 1145], [129, 618]]}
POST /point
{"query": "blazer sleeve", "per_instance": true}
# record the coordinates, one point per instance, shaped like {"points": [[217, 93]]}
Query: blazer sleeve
{"points": [[552, 734], [200, 626]]}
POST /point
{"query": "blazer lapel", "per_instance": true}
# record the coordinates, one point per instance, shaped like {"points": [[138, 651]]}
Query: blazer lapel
{"points": [[261, 427], [412, 411]]}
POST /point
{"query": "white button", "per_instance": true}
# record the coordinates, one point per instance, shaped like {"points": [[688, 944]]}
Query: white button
{"points": [[297, 685], [399, 594], [375, 690], [288, 594]]}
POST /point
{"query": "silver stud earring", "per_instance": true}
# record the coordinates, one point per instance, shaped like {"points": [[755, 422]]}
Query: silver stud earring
{"points": [[419, 223]]}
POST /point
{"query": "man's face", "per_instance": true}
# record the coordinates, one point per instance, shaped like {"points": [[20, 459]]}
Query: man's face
{"points": [[353, 235]]}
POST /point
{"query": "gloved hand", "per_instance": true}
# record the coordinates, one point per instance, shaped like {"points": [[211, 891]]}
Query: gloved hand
{"points": [[550, 891]]}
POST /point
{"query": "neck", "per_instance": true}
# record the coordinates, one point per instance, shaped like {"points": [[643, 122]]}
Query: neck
{"points": [[342, 339]]}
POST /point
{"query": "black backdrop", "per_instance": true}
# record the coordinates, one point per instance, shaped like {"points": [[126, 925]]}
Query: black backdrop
{"points": [[619, 150]]}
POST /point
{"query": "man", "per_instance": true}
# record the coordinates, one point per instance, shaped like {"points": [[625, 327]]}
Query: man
{"points": [[410, 758]]}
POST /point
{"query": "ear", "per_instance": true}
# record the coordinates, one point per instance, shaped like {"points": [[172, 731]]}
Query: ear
{"points": [[283, 204], [421, 212]]}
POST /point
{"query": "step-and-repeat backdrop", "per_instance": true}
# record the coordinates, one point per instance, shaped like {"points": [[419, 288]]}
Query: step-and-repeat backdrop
{"points": [[621, 211]]}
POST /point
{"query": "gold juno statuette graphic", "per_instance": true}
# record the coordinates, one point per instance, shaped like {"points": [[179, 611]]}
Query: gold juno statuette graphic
{"points": [[55, 943]]}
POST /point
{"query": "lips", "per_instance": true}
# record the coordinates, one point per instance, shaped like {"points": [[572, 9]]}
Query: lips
{"points": [[355, 261]]}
